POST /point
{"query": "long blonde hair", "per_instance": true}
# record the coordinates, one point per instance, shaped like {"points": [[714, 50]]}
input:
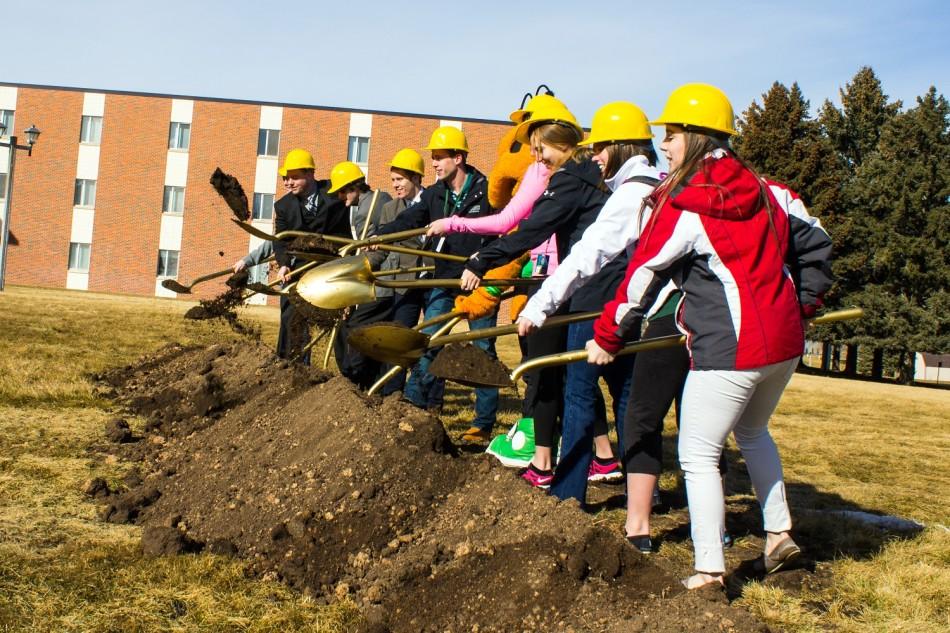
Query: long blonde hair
{"points": [[562, 137]]}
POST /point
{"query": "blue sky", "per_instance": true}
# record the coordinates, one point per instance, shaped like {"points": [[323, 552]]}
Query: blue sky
{"points": [[474, 59]]}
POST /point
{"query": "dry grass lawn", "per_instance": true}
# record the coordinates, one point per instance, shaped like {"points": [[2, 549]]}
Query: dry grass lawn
{"points": [[845, 445]]}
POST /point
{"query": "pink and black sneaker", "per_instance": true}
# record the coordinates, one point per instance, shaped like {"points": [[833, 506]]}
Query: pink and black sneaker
{"points": [[606, 470], [536, 477]]}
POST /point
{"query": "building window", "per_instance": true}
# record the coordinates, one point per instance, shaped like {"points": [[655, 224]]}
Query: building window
{"points": [[3, 186], [6, 117], [167, 263], [263, 206], [358, 149], [85, 193], [179, 135], [174, 200], [258, 274], [91, 130], [268, 142], [79, 257]]}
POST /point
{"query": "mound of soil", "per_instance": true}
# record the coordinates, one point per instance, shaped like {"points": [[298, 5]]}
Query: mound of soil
{"points": [[344, 496]]}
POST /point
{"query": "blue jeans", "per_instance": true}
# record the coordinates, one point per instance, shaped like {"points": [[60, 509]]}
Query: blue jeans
{"points": [[406, 309], [583, 404], [486, 398], [425, 390]]}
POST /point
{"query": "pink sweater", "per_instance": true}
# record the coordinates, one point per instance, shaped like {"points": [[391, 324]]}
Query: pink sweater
{"points": [[533, 183]]}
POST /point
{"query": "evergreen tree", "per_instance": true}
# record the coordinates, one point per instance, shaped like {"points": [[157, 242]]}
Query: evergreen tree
{"points": [[900, 209]]}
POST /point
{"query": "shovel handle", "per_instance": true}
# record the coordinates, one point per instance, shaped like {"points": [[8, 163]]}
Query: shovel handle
{"points": [[660, 342], [500, 330], [453, 283], [351, 243]]}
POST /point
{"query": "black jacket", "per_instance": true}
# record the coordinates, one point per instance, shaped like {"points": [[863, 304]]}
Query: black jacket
{"points": [[331, 219], [567, 207], [431, 208]]}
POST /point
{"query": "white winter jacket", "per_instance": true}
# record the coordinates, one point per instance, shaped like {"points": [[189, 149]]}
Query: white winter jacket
{"points": [[615, 229]]}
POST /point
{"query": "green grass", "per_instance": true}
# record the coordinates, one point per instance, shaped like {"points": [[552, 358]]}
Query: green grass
{"points": [[845, 444]]}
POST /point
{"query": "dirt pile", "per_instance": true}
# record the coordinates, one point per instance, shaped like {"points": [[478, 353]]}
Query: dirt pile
{"points": [[347, 497]]}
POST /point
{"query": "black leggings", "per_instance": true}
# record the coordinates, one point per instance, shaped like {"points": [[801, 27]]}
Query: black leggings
{"points": [[544, 396], [658, 378]]}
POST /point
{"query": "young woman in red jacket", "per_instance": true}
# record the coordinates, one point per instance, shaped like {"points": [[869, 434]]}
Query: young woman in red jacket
{"points": [[752, 264]]}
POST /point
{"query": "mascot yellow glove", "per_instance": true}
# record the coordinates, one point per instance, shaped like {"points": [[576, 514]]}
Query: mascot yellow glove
{"points": [[484, 300]]}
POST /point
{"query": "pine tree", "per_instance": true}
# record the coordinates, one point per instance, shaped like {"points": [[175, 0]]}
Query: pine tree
{"points": [[900, 204]]}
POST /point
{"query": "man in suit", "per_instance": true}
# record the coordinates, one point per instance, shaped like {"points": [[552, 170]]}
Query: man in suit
{"points": [[306, 207]]}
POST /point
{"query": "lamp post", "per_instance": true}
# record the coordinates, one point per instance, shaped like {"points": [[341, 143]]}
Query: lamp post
{"points": [[31, 135]]}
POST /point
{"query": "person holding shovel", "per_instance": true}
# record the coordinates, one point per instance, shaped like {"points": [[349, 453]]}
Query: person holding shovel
{"points": [[460, 189], [568, 205], [752, 264], [406, 170], [307, 206], [348, 183]]}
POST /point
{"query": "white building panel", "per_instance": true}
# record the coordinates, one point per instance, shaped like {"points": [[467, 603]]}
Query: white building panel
{"points": [[82, 226], [361, 124], [182, 110], [4, 161], [170, 237], [176, 169], [265, 176], [87, 166], [93, 104], [161, 291], [272, 117], [8, 97], [456, 124], [77, 281]]}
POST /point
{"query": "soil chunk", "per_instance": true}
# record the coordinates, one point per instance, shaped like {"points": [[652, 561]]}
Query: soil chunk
{"points": [[231, 190], [118, 431], [468, 365]]}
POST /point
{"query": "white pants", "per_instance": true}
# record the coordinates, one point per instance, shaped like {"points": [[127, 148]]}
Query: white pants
{"points": [[715, 403]]}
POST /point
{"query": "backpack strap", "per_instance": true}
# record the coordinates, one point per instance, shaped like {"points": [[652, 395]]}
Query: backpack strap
{"points": [[643, 180]]}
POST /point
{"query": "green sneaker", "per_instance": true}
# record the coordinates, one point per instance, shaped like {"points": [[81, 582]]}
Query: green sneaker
{"points": [[516, 448]]}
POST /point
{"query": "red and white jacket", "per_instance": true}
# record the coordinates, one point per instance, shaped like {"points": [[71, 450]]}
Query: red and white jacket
{"points": [[747, 282]]}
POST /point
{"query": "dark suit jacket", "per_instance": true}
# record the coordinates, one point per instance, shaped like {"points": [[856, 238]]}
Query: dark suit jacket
{"points": [[331, 219]]}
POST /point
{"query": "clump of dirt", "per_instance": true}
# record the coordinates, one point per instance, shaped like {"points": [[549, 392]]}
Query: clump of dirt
{"points": [[313, 316], [348, 497], [224, 307], [313, 244], [468, 365], [231, 190]]}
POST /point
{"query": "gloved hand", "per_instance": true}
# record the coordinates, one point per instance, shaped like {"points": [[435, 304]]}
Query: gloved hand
{"points": [[479, 304], [517, 304], [483, 301]]}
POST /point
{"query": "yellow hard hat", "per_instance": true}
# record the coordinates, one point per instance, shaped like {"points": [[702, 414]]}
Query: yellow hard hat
{"points": [[699, 105], [534, 103], [410, 160], [343, 174], [618, 121], [297, 159], [551, 113], [448, 137]]}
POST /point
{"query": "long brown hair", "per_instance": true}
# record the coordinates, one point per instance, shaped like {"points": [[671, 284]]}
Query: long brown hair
{"points": [[561, 136], [620, 152], [699, 143]]}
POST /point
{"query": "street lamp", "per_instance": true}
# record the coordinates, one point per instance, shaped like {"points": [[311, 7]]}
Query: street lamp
{"points": [[31, 135]]}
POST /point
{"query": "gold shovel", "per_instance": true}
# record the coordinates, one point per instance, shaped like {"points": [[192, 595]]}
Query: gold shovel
{"points": [[380, 241], [175, 286], [403, 346], [350, 281], [655, 343]]}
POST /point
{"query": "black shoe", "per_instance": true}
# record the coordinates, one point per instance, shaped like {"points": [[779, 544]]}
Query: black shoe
{"points": [[641, 543]]}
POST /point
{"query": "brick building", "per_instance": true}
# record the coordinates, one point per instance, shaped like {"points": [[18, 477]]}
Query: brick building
{"points": [[115, 197]]}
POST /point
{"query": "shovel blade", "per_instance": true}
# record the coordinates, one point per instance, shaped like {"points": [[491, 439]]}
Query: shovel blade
{"points": [[175, 286], [341, 283], [471, 366], [389, 342]]}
